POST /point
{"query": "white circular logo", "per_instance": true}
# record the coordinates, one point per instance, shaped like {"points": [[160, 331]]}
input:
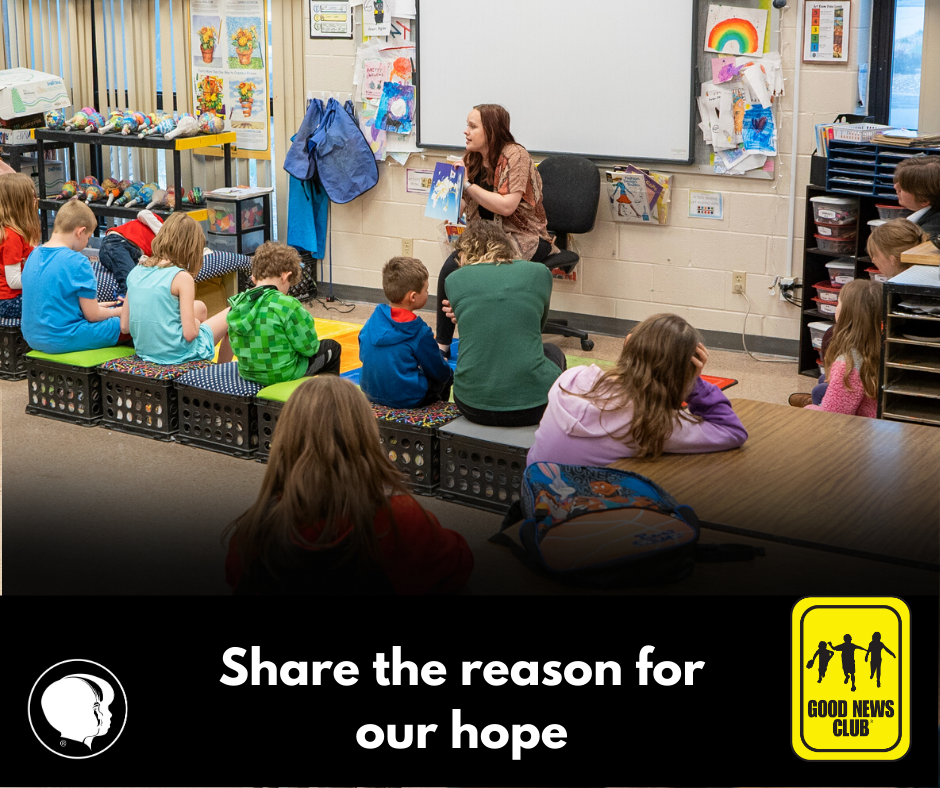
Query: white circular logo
{"points": [[77, 708]]}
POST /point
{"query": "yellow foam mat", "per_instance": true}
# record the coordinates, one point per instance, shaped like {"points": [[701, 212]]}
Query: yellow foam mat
{"points": [[347, 334]]}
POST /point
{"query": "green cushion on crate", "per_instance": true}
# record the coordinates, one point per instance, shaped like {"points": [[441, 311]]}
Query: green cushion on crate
{"points": [[84, 358], [280, 392]]}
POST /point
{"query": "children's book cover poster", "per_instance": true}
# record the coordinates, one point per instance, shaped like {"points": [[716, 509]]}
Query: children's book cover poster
{"points": [[396, 108], [446, 191], [735, 31]]}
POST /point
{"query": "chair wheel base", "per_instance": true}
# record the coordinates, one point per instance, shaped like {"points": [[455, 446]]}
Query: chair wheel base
{"points": [[587, 344]]}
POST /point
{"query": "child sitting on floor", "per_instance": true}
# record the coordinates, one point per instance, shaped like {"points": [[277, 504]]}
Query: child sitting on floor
{"points": [[402, 366], [333, 516], [273, 337], [853, 355], [19, 234], [168, 324], [635, 409], [123, 246], [61, 313]]}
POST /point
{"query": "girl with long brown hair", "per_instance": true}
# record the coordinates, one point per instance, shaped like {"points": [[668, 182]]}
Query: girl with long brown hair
{"points": [[19, 234], [168, 324], [503, 186], [854, 353], [636, 409], [333, 515]]}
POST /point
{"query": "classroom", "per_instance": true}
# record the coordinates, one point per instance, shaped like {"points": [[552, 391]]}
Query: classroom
{"points": [[752, 193]]}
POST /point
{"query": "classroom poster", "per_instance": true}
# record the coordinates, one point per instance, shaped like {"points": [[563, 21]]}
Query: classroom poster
{"points": [[736, 31], [376, 18], [230, 78], [705, 205], [331, 20], [418, 181], [826, 32]]}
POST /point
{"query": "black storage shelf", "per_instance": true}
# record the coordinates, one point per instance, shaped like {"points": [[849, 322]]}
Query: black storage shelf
{"points": [[814, 264], [48, 139], [118, 212]]}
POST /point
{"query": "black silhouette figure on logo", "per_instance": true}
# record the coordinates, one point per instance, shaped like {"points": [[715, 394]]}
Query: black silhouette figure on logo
{"points": [[824, 655], [848, 649], [875, 648]]}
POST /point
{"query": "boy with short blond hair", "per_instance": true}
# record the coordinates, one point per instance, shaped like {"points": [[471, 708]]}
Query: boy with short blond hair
{"points": [[274, 338], [402, 366], [61, 313]]}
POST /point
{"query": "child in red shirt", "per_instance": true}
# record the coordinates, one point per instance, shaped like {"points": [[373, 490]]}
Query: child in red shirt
{"points": [[19, 233], [123, 246], [333, 516]]}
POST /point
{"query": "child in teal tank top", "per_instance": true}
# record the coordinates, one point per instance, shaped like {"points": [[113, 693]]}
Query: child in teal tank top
{"points": [[167, 323]]}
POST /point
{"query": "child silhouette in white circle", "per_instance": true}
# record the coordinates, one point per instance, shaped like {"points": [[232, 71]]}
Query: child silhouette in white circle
{"points": [[77, 707]]}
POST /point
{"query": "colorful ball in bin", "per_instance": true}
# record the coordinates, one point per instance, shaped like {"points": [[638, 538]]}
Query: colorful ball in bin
{"points": [[210, 123]]}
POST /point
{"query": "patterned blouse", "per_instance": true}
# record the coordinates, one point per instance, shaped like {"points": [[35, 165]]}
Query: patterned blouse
{"points": [[516, 172]]}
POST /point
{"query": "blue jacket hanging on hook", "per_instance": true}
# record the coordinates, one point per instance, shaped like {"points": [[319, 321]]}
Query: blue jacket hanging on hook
{"points": [[344, 161], [300, 161]]}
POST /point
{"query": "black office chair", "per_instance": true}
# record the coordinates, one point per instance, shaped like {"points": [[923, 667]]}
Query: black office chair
{"points": [[571, 187]]}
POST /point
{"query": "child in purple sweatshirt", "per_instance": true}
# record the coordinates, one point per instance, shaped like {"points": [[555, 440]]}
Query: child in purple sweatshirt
{"points": [[635, 409]]}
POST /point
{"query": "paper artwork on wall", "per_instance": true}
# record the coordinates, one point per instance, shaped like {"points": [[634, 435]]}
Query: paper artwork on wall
{"points": [[377, 138], [736, 31], [376, 18], [396, 108]]}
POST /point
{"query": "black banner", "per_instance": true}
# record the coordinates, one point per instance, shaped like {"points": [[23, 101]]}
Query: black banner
{"points": [[718, 715]]}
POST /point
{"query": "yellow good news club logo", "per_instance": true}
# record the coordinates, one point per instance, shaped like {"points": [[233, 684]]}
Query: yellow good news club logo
{"points": [[851, 680]]}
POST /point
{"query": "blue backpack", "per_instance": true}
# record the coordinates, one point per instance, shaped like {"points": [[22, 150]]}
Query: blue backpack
{"points": [[605, 528]]}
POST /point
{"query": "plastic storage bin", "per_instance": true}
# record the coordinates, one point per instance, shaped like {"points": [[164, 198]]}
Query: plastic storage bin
{"points": [[221, 214], [827, 291], [817, 331], [826, 307], [836, 245], [835, 210], [875, 274], [229, 243], [822, 365], [889, 212], [835, 230], [876, 223], [840, 272]]}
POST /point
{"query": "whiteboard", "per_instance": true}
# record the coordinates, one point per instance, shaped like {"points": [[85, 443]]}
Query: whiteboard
{"points": [[603, 79]]}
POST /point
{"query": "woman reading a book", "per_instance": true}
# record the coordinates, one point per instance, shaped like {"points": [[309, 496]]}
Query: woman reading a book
{"points": [[504, 186]]}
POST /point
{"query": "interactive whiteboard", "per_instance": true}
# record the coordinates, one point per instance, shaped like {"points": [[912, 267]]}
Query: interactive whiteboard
{"points": [[603, 79]]}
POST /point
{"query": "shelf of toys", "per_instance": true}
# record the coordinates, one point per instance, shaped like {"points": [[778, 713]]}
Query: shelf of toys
{"points": [[123, 199]]}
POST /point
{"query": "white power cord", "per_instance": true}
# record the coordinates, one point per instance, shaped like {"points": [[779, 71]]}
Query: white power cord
{"points": [[744, 343]]}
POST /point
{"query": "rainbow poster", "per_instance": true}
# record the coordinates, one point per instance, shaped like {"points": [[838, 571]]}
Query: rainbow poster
{"points": [[736, 31]]}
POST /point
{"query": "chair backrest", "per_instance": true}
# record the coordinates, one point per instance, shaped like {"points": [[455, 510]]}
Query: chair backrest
{"points": [[571, 188]]}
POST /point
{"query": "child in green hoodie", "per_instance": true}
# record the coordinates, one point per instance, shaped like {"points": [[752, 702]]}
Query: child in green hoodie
{"points": [[274, 338]]}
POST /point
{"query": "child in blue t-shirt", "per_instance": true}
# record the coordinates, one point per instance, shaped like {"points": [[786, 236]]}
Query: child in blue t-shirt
{"points": [[61, 312], [402, 366]]}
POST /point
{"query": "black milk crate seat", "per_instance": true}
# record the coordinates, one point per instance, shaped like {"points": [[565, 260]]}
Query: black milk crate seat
{"points": [[67, 386], [270, 402], [217, 410], [409, 439], [483, 466], [140, 398], [13, 349]]}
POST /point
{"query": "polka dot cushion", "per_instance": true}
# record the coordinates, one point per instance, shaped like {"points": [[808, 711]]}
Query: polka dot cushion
{"points": [[219, 263], [220, 378], [136, 366], [432, 416], [106, 284], [213, 265], [9, 322]]}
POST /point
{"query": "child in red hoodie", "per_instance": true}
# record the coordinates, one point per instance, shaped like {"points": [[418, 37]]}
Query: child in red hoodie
{"points": [[123, 246]]}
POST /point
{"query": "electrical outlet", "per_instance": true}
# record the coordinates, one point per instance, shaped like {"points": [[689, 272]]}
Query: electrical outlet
{"points": [[738, 281], [407, 247], [786, 286]]}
